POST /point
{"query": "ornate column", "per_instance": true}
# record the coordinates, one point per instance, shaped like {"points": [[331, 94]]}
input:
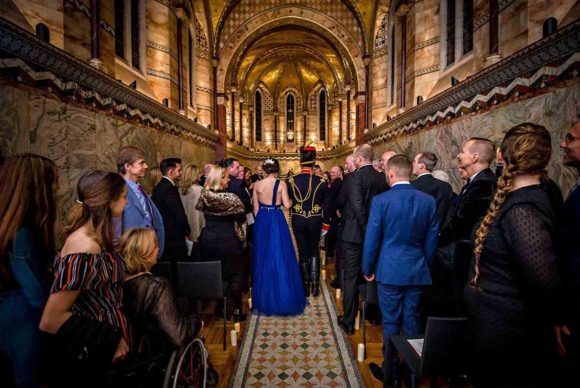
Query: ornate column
{"points": [[402, 13], [180, 15], [304, 122], [233, 113], [339, 121], [221, 147], [214, 63], [241, 106], [251, 124], [361, 119], [95, 60], [367, 61], [348, 134], [275, 130]]}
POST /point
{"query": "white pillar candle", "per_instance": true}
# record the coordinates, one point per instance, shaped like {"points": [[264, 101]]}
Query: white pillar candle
{"points": [[237, 327], [323, 258], [234, 338], [338, 293], [357, 322], [250, 303], [323, 274], [360, 355]]}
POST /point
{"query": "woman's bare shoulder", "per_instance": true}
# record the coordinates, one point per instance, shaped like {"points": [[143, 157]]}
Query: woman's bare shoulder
{"points": [[80, 242]]}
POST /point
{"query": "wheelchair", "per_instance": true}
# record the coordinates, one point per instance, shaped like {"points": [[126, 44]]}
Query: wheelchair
{"points": [[154, 366]]}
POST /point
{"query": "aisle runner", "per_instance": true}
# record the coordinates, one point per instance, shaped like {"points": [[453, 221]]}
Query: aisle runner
{"points": [[307, 350]]}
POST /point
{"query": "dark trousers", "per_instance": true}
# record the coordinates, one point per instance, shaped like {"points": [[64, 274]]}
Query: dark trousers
{"points": [[352, 274], [331, 238], [307, 234], [338, 256]]}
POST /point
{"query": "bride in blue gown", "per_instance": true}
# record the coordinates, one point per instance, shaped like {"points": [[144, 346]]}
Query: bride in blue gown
{"points": [[276, 281]]}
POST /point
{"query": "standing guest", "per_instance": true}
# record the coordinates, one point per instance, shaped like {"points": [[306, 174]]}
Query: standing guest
{"points": [[27, 216], [221, 238], [176, 226], [258, 172], [190, 191], [248, 179], [141, 211], [242, 173], [309, 213], [570, 263], [512, 297], [318, 171], [349, 164], [206, 169], [154, 177], [365, 183], [333, 219], [399, 245], [474, 159], [378, 165], [149, 300], [83, 313], [327, 178], [423, 165]]}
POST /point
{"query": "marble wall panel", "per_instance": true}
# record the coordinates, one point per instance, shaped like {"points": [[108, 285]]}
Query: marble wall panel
{"points": [[556, 111], [107, 142], [14, 121]]}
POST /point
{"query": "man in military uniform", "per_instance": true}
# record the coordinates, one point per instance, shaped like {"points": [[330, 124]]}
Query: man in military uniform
{"points": [[309, 217]]}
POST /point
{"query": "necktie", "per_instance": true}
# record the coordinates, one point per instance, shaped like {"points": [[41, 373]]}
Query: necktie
{"points": [[144, 203]]}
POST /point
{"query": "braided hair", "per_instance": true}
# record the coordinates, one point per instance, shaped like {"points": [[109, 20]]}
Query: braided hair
{"points": [[526, 150]]}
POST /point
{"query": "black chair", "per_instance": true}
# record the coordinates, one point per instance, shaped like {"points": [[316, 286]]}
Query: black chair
{"points": [[162, 268], [369, 295], [203, 281], [441, 352]]}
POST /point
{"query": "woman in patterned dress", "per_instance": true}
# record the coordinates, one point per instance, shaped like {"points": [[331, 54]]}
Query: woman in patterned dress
{"points": [[83, 313]]}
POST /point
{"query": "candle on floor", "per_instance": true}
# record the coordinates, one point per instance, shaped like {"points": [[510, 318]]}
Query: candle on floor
{"points": [[357, 322], [234, 338], [323, 258], [360, 355], [323, 274], [237, 327], [250, 303], [338, 293]]}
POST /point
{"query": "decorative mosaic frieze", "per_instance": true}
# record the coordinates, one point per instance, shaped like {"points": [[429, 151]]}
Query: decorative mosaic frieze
{"points": [[380, 52], [162, 75], [160, 47], [420, 72], [204, 90], [380, 87], [422, 45]]}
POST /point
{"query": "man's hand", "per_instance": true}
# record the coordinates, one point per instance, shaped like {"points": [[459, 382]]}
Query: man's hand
{"points": [[122, 350], [558, 331], [370, 278]]}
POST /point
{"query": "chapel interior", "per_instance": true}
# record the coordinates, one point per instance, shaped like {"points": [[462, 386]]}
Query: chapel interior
{"points": [[251, 79]]}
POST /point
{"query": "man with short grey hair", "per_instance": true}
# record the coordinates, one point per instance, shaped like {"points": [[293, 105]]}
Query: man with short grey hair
{"points": [[423, 165]]}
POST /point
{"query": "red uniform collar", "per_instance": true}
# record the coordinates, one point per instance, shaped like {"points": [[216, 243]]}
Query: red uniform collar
{"points": [[306, 171]]}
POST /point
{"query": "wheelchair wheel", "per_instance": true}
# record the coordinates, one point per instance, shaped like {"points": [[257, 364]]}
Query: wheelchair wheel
{"points": [[212, 377], [188, 368]]}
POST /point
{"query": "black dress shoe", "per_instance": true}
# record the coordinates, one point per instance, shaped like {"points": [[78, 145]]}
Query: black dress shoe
{"points": [[347, 329], [376, 371]]}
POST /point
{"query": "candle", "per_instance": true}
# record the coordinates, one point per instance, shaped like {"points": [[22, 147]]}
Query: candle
{"points": [[357, 322], [323, 258], [338, 293], [250, 303], [234, 338], [360, 355], [237, 327], [323, 274]]}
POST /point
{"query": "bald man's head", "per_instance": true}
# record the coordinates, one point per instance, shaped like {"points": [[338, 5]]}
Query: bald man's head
{"points": [[363, 154]]}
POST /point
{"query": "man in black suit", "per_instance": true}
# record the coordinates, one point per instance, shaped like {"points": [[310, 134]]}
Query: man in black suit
{"points": [[474, 160], [167, 199], [423, 165], [358, 190], [333, 219]]}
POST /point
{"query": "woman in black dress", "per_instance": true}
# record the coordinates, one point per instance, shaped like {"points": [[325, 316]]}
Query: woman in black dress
{"points": [[512, 297], [221, 238]]}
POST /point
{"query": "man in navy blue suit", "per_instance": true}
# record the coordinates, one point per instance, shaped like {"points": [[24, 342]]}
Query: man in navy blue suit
{"points": [[399, 245]]}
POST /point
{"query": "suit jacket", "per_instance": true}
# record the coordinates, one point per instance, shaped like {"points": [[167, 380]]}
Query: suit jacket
{"points": [[333, 193], [134, 217], [166, 197], [401, 237], [365, 183], [238, 187], [570, 263], [472, 204], [441, 191]]}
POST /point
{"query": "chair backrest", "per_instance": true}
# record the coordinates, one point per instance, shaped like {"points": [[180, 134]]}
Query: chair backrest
{"points": [[442, 346], [162, 269], [201, 280]]}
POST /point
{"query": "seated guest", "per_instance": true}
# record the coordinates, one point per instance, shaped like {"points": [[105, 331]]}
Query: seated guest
{"points": [[190, 192], [513, 294], [83, 313], [149, 300], [224, 231], [27, 216]]}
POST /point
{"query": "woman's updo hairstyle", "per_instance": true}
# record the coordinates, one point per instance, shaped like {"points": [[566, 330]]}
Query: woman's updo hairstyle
{"points": [[96, 190], [271, 166], [526, 150]]}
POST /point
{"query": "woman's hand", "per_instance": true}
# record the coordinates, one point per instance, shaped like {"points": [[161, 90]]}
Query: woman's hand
{"points": [[558, 331], [122, 350]]}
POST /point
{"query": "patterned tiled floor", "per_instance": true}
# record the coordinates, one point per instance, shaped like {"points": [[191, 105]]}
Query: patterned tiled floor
{"points": [[307, 350]]}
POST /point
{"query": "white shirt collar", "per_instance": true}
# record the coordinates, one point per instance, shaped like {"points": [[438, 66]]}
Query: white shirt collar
{"points": [[471, 178], [401, 183], [169, 179]]}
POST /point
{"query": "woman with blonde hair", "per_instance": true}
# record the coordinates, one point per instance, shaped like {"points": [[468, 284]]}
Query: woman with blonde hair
{"points": [[512, 298], [83, 315], [153, 178], [190, 191], [149, 300], [221, 238], [27, 215]]}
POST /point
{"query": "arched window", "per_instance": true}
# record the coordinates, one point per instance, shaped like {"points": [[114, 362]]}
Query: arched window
{"points": [[467, 26], [129, 27], [322, 115], [43, 32], [258, 115], [290, 116], [456, 30]]}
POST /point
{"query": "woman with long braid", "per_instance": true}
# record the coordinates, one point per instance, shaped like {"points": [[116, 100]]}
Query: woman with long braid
{"points": [[512, 296]]}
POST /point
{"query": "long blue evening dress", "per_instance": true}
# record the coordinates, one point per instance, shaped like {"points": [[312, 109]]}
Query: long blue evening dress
{"points": [[276, 281]]}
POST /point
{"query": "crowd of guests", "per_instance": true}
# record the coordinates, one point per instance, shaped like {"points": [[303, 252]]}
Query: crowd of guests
{"points": [[503, 252]]}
